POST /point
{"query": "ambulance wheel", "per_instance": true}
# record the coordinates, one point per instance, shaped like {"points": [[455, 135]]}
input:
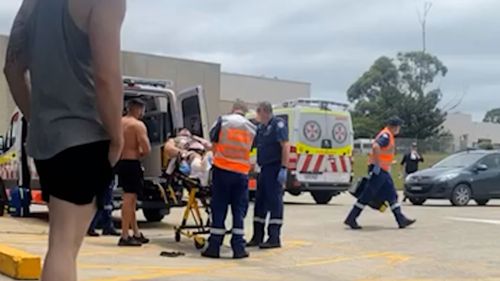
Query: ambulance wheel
{"points": [[322, 197], [177, 236], [153, 215], [417, 201], [199, 242]]}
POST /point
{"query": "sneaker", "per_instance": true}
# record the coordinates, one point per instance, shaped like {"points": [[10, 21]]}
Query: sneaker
{"points": [[129, 242], [141, 239]]}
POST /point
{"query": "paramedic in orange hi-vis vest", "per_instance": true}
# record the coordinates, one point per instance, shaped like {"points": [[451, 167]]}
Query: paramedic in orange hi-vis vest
{"points": [[232, 137], [380, 184]]}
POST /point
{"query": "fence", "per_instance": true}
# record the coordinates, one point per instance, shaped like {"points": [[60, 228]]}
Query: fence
{"points": [[438, 145]]}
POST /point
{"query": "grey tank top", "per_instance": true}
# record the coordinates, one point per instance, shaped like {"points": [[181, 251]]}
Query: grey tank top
{"points": [[63, 99]]}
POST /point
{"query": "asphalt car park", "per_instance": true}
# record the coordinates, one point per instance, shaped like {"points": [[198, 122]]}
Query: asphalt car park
{"points": [[447, 243]]}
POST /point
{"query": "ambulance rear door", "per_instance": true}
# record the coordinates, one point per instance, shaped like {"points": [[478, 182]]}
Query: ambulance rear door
{"points": [[321, 139], [192, 111]]}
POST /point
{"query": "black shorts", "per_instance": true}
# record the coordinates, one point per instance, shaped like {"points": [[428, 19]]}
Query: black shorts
{"points": [[77, 175], [130, 176]]}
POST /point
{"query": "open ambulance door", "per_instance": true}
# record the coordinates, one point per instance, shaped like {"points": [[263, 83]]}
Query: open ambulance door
{"points": [[192, 111]]}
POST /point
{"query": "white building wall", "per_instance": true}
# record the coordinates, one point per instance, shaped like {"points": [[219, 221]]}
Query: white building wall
{"points": [[253, 89], [466, 130]]}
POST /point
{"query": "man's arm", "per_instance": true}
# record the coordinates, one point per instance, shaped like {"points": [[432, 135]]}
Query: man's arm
{"points": [[16, 62], [143, 139], [282, 135], [104, 30], [376, 153], [285, 153]]}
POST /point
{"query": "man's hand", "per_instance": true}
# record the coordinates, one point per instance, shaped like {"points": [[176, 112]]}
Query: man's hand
{"points": [[115, 151], [376, 170]]}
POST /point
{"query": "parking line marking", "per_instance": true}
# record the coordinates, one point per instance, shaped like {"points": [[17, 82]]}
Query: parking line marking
{"points": [[496, 222], [391, 259]]}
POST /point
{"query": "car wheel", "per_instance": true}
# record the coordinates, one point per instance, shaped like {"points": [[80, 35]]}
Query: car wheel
{"points": [[418, 201], [482, 202], [322, 197], [153, 215], [461, 195]]}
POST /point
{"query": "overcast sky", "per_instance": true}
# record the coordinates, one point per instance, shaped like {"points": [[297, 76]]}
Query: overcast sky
{"points": [[329, 43]]}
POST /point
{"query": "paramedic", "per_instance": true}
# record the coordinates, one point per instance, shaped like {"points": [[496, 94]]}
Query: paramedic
{"points": [[272, 156], [130, 172], [63, 70], [380, 183], [232, 137]]}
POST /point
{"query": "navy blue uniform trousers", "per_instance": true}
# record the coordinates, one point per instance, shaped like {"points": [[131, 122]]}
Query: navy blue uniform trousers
{"points": [[268, 199], [229, 188]]}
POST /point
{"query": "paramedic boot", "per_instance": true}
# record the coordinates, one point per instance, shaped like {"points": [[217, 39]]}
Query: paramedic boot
{"points": [[258, 235], [211, 252], [274, 230], [214, 242], [353, 215], [402, 220]]}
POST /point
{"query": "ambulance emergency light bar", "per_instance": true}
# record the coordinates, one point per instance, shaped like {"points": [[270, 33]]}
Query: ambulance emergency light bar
{"points": [[323, 104], [133, 81]]}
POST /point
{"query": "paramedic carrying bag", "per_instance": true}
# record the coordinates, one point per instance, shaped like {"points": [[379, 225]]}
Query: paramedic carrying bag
{"points": [[358, 189], [19, 205]]}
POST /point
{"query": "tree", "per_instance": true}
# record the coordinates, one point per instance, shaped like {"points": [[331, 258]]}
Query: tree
{"points": [[401, 87], [492, 116]]}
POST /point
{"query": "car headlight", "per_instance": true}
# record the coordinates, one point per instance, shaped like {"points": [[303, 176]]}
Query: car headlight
{"points": [[447, 177], [409, 178]]}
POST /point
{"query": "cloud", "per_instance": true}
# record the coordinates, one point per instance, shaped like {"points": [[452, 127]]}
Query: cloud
{"points": [[329, 43]]}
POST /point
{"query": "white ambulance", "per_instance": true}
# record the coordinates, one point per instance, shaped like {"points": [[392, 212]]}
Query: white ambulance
{"points": [[166, 111], [321, 147]]}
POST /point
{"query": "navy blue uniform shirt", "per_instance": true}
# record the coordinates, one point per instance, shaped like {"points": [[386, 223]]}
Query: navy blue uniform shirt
{"points": [[268, 141]]}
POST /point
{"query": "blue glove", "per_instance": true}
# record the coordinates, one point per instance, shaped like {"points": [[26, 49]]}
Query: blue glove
{"points": [[376, 170], [282, 175], [185, 168]]}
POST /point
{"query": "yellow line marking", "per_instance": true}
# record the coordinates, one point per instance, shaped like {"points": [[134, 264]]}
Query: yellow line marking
{"points": [[391, 258], [19, 264]]}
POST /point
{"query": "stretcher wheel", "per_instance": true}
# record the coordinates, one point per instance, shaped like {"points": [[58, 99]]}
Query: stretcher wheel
{"points": [[177, 236], [199, 242]]}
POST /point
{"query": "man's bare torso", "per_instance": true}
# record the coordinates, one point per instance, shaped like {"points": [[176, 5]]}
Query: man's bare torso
{"points": [[131, 132]]}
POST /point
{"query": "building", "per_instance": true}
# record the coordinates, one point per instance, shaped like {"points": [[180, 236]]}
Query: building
{"points": [[220, 89], [468, 133]]}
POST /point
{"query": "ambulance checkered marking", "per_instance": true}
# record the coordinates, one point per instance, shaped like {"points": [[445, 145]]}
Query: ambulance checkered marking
{"points": [[318, 163]]}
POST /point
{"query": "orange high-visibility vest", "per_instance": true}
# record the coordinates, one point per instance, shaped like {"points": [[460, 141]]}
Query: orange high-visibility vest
{"points": [[387, 154], [232, 151]]}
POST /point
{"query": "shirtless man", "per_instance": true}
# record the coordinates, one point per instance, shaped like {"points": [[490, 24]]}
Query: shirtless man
{"points": [[129, 170]]}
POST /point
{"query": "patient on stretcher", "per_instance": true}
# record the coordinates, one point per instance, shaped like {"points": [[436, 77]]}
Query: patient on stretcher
{"points": [[191, 154]]}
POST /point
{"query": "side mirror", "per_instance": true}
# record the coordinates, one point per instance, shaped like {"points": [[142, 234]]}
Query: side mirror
{"points": [[481, 167], [2, 144]]}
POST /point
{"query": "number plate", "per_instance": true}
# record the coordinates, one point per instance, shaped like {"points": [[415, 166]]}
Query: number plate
{"points": [[416, 188], [311, 177]]}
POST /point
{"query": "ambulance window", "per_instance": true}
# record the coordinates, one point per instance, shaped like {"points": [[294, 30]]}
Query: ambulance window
{"points": [[192, 115], [10, 139]]}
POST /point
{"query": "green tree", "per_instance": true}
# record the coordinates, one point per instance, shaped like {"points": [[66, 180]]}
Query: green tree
{"points": [[492, 116], [401, 87]]}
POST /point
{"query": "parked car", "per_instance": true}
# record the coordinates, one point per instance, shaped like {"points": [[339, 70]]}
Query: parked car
{"points": [[461, 177]]}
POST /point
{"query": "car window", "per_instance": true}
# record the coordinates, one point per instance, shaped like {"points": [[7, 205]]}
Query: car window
{"points": [[492, 161], [459, 160]]}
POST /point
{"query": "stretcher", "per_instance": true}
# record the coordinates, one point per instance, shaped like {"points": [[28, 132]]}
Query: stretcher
{"points": [[195, 223]]}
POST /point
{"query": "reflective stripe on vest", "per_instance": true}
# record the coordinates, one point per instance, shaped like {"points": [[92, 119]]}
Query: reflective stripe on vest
{"points": [[232, 151], [386, 155]]}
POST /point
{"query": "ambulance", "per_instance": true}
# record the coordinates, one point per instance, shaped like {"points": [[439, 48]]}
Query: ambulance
{"points": [[321, 148], [165, 112]]}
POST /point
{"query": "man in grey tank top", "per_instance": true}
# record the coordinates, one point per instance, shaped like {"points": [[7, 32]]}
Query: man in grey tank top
{"points": [[73, 101]]}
